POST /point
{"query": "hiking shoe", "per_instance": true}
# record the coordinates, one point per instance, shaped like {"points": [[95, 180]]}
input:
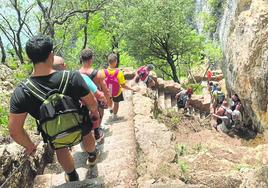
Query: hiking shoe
{"points": [[115, 117], [73, 176], [99, 135], [93, 157]]}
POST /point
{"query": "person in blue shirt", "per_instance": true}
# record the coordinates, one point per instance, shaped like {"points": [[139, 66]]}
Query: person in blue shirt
{"points": [[59, 65]]}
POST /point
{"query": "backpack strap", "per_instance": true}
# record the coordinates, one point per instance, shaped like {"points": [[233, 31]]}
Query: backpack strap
{"points": [[64, 81], [106, 73], [34, 90], [93, 74], [116, 72]]}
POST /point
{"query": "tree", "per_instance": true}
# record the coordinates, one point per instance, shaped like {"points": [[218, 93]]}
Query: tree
{"points": [[58, 14], [3, 52], [162, 31], [13, 29]]}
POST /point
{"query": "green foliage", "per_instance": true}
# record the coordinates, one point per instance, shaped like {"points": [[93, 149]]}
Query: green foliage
{"points": [[181, 150], [22, 71], [170, 118], [183, 166], [3, 120], [241, 166], [210, 22], [199, 148], [213, 51], [161, 31], [197, 88]]}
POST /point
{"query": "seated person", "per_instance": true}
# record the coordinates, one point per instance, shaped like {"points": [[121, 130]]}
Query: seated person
{"points": [[143, 74], [235, 101], [183, 98], [237, 117], [223, 116]]}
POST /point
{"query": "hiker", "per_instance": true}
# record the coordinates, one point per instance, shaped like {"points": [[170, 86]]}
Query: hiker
{"points": [[183, 98], [52, 98], [209, 75], [218, 97], [59, 65], [86, 59], [235, 101], [115, 81], [143, 74], [223, 117], [237, 117]]}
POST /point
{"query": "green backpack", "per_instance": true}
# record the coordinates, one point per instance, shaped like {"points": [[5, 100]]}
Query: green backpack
{"points": [[60, 119]]}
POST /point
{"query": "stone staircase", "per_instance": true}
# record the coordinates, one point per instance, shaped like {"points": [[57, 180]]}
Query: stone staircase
{"points": [[117, 165]]}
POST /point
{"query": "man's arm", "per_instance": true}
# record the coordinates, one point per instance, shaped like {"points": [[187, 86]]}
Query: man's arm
{"points": [[90, 101], [19, 135], [127, 87], [105, 90]]}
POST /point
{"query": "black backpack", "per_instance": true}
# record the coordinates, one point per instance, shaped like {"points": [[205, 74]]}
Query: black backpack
{"points": [[60, 118]]}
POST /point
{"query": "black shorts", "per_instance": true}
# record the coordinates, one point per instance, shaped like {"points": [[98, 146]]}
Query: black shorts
{"points": [[118, 98], [87, 123]]}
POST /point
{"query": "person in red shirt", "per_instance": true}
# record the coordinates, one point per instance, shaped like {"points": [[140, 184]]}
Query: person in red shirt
{"points": [[209, 75], [143, 74]]}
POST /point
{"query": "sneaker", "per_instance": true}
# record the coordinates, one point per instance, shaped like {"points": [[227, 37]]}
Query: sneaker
{"points": [[115, 117], [109, 120], [93, 157], [99, 135], [71, 177]]}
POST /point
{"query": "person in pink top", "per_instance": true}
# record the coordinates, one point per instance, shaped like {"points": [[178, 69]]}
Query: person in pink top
{"points": [[143, 74]]}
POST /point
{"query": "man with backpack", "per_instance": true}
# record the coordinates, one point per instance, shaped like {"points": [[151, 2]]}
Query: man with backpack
{"points": [[86, 59], [115, 81], [183, 98], [53, 99], [218, 97]]}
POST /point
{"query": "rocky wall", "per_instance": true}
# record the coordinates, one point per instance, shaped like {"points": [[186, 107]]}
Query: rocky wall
{"points": [[244, 39], [12, 156]]}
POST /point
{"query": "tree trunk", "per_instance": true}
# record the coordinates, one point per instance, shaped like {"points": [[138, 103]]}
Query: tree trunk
{"points": [[115, 45], [173, 69], [19, 51], [3, 58], [85, 31]]}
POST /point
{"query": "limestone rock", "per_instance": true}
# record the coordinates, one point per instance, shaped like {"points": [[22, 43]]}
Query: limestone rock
{"points": [[243, 35], [171, 87], [256, 178], [199, 103], [12, 156]]}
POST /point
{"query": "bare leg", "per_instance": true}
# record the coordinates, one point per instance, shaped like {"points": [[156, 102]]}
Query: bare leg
{"points": [[116, 107], [101, 112], [65, 159], [89, 142]]}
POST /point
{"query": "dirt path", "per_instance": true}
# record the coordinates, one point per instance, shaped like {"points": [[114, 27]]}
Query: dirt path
{"points": [[117, 165]]}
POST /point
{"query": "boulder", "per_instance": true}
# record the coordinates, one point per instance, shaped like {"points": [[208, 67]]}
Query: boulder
{"points": [[243, 37], [256, 178], [199, 103], [171, 87], [12, 157]]}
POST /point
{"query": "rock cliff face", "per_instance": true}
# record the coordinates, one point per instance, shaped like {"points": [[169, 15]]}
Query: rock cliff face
{"points": [[244, 39]]}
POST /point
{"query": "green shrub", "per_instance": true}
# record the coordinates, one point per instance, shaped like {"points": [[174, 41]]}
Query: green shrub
{"points": [[3, 121], [183, 166], [181, 150], [197, 88]]}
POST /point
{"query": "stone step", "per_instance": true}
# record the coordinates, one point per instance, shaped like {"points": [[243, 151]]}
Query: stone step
{"points": [[161, 100], [167, 101]]}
